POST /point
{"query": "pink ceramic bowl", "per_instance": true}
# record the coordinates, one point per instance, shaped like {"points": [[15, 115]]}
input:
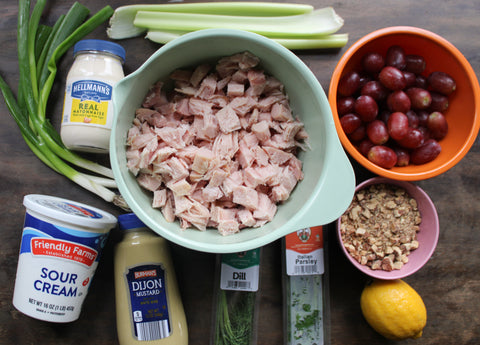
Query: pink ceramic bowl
{"points": [[427, 236]]}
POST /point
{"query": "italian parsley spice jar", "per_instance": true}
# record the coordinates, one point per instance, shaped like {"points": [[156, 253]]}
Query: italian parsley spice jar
{"points": [[88, 107]]}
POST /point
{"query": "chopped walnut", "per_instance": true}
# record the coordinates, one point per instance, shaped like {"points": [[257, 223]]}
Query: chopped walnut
{"points": [[379, 228]]}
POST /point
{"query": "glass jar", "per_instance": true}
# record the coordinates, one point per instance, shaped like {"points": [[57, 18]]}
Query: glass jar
{"points": [[88, 109]]}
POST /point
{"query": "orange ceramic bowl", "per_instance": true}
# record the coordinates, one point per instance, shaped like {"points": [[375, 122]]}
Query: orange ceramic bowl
{"points": [[464, 104]]}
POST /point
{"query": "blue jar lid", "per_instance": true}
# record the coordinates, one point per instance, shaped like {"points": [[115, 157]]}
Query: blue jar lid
{"points": [[100, 45], [130, 221]]}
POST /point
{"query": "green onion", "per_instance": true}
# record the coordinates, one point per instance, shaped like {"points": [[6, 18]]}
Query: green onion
{"points": [[30, 108], [319, 22], [41, 60], [94, 184], [72, 20], [122, 26]]}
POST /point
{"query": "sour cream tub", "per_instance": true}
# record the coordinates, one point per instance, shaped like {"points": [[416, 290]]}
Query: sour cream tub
{"points": [[61, 246]]}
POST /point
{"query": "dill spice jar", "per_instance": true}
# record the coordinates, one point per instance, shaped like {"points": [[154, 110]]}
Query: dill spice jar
{"points": [[88, 109]]}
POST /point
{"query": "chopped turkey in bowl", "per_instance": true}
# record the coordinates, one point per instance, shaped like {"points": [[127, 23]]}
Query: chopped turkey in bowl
{"points": [[219, 150]]}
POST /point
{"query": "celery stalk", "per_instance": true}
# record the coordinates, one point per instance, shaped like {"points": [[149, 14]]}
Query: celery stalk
{"points": [[319, 42], [324, 42], [121, 23], [318, 22], [163, 36]]}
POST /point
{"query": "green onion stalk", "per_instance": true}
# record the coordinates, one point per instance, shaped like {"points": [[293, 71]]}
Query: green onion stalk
{"points": [[39, 49]]}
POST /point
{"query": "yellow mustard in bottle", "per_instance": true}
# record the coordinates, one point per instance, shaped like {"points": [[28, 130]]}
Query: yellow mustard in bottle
{"points": [[149, 307], [88, 109]]}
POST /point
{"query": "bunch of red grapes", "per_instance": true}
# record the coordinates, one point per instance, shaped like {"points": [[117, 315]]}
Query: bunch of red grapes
{"points": [[391, 111]]}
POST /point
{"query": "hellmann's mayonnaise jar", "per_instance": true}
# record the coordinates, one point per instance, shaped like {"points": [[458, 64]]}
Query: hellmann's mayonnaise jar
{"points": [[149, 307], [88, 109]]}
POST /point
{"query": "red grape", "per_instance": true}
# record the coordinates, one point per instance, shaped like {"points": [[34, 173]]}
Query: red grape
{"points": [[439, 102], [415, 63], [358, 134], [392, 78], [425, 132], [365, 146], [413, 139], [413, 120], [366, 108], [377, 132], [350, 122], [363, 80], [437, 124], [422, 116], [426, 153], [421, 81], [395, 57], [375, 90], [441, 82], [382, 156], [398, 101], [397, 125], [345, 105], [349, 83], [420, 98], [373, 62], [410, 78], [403, 156]]}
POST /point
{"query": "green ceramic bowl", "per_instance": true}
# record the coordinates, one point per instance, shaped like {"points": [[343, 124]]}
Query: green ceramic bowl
{"points": [[329, 183]]}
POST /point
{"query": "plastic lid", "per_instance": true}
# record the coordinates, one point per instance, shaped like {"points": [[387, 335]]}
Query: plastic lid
{"points": [[69, 211], [130, 221], [100, 45]]}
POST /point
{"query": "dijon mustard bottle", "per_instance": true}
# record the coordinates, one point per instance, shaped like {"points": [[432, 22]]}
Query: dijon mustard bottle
{"points": [[149, 308]]}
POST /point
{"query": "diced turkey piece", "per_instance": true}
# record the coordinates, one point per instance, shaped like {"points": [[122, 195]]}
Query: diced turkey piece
{"points": [[219, 149], [202, 160], [235, 89], [228, 120], [159, 198]]}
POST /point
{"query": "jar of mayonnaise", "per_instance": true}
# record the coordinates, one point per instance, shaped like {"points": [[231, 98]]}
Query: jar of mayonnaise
{"points": [[148, 303], [88, 109]]}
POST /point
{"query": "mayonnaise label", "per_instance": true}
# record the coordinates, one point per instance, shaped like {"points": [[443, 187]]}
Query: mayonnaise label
{"points": [[55, 267], [88, 102], [148, 300]]}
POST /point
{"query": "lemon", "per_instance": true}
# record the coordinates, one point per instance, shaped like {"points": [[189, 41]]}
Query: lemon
{"points": [[394, 309]]}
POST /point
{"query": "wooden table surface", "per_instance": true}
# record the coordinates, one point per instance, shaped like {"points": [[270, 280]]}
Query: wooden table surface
{"points": [[449, 283]]}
